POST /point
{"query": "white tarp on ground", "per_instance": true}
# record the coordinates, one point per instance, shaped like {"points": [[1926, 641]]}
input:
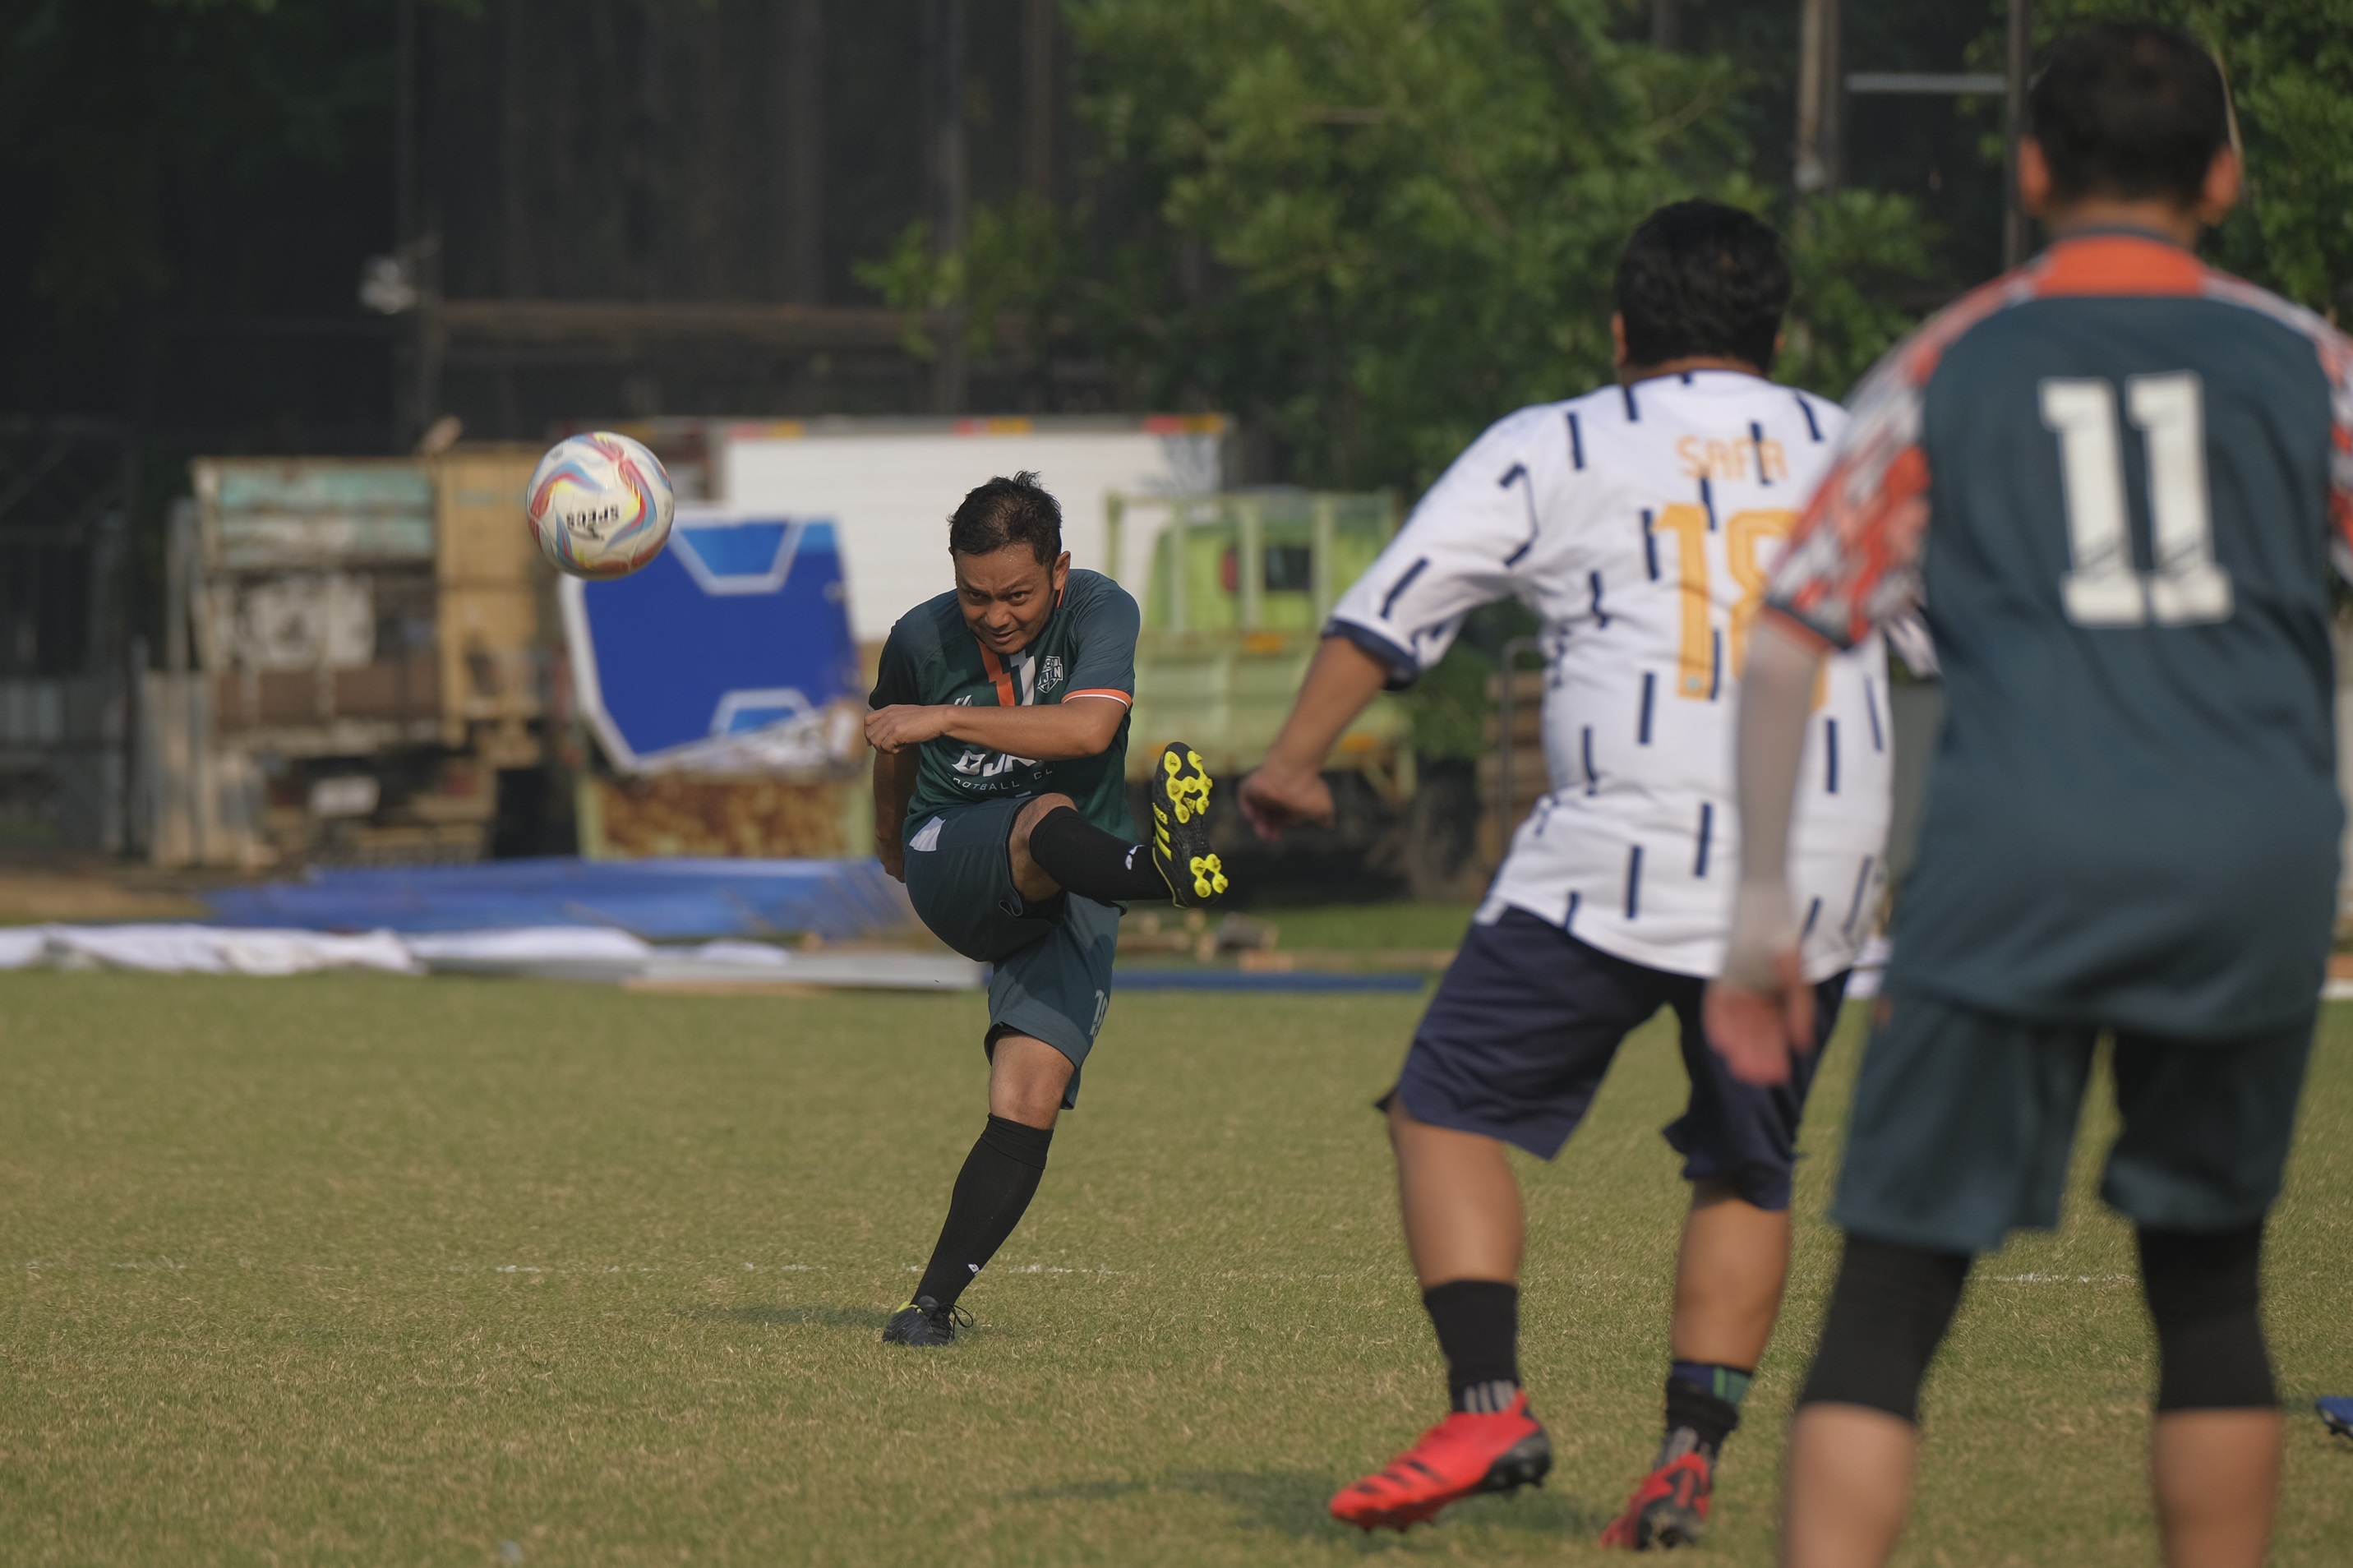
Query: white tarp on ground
{"points": [[558, 953], [529, 945], [201, 949]]}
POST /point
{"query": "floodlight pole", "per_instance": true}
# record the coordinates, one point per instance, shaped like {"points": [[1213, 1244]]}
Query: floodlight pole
{"points": [[2015, 234], [1817, 161]]}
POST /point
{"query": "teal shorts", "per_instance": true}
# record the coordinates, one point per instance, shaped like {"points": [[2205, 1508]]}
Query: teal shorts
{"points": [[1051, 979], [1963, 1123]]}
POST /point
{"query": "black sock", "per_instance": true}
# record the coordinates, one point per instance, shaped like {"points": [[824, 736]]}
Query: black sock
{"points": [[1703, 1408], [999, 1179], [1094, 864], [1478, 1324]]}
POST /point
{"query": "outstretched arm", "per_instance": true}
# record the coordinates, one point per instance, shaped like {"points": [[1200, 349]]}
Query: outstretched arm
{"points": [[1761, 1008], [1288, 788], [1081, 725]]}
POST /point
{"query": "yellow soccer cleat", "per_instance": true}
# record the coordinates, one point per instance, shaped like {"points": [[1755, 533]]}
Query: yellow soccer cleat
{"points": [[1180, 829]]}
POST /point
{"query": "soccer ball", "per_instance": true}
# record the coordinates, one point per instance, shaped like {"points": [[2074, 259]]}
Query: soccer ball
{"points": [[600, 505]]}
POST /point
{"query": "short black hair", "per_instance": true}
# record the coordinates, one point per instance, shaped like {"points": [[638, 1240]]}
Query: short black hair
{"points": [[1700, 277], [2130, 110], [1009, 512]]}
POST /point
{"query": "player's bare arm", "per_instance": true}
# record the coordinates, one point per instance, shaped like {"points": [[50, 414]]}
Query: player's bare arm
{"points": [[1082, 726], [1761, 1009], [1288, 788]]}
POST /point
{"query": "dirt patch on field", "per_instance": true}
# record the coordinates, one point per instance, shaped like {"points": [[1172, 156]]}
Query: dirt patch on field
{"points": [[34, 895]]}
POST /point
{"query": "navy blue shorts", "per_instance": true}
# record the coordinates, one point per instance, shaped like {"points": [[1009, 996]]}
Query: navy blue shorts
{"points": [[1528, 1020]]}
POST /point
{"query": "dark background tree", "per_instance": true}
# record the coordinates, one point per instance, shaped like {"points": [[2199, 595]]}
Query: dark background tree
{"points": [[1365, 227]]}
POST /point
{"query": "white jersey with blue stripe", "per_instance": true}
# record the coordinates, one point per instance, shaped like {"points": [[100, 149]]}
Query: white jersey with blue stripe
{"points": [[1640, 524]]}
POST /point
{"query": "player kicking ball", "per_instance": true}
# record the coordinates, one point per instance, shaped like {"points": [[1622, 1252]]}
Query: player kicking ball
{"points": [[2116, 477], [1001, 798], [1639, 522]]}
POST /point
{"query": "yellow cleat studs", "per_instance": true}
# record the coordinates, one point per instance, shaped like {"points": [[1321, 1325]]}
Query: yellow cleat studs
{"points": [[1169, 762], [1218, 883], [1201, 888]]}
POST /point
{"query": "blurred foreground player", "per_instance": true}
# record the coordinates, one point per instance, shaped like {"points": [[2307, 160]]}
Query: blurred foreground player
{"points": [[1000, 799], [1639, 522], [2116, 477]]}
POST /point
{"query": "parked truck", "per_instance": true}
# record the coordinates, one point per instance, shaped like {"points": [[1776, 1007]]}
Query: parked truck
{"points": [[355, 661]]}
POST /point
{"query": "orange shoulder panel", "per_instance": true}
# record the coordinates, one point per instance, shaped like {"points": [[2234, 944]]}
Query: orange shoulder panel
{"points": [[2117, 264]]}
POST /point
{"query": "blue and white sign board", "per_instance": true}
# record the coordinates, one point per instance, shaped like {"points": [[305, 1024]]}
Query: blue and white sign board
{"points": [[726, 654]]}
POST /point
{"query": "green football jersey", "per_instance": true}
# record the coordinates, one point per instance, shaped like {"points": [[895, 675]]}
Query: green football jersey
{"points": [[1087, 645]]}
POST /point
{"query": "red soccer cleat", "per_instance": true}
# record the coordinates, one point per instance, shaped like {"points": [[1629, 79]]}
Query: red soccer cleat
{"points": [[1667, 1510], [1462, 1457]]}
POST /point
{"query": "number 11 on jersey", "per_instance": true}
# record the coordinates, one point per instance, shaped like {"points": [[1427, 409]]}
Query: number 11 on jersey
{"points": [[2101, 587]]}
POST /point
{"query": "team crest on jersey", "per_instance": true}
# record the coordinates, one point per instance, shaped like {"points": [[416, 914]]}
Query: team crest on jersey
{"points": [[1050, 673]]}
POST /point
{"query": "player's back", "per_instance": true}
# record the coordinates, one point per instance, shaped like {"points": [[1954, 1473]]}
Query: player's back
{"points": [[1640, 524], [2132, 815]]}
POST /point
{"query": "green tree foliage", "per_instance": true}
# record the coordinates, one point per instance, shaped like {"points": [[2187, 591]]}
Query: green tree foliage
{"points": [[1375, 225], [1419, 206], [2291, 71]]}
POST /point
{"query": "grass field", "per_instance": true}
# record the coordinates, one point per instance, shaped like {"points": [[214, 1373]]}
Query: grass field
{"points": [[373, 1270]]}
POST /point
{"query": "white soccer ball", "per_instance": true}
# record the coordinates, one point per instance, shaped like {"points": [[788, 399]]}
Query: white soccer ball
{"points": [[600, 505]]}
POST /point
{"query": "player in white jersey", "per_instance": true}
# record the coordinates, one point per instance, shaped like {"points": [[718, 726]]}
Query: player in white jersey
{"points": [[1640, 523]]}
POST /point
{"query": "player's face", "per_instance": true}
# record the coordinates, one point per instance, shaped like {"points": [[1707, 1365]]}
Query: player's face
{"points": [[1007, 594]]}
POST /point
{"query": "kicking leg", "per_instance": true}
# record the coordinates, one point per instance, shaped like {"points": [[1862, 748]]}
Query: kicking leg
{"points": [[1055, 849], [1026, 1081]]}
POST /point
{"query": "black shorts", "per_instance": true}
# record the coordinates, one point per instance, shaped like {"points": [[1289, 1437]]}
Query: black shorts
{"points": [[1528, 1020], [1051, 979], [1963, 1123]]}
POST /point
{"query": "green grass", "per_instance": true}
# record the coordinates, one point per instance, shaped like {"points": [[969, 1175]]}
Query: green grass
{"points": [[371, 1270]]}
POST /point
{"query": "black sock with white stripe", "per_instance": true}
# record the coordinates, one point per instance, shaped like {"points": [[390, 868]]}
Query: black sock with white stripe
{"points": [[1091, 863], [1478, 1324]]}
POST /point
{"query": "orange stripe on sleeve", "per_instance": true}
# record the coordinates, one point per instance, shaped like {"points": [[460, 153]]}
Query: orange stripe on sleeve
{"points": [[1114, 693]]}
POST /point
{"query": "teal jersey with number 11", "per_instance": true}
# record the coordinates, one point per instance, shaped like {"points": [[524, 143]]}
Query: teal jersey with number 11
{"points": [[2113, 480]]}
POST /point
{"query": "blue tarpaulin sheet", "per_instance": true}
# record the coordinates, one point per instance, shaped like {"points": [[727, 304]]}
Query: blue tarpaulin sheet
{"points": [[655, 898]]}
